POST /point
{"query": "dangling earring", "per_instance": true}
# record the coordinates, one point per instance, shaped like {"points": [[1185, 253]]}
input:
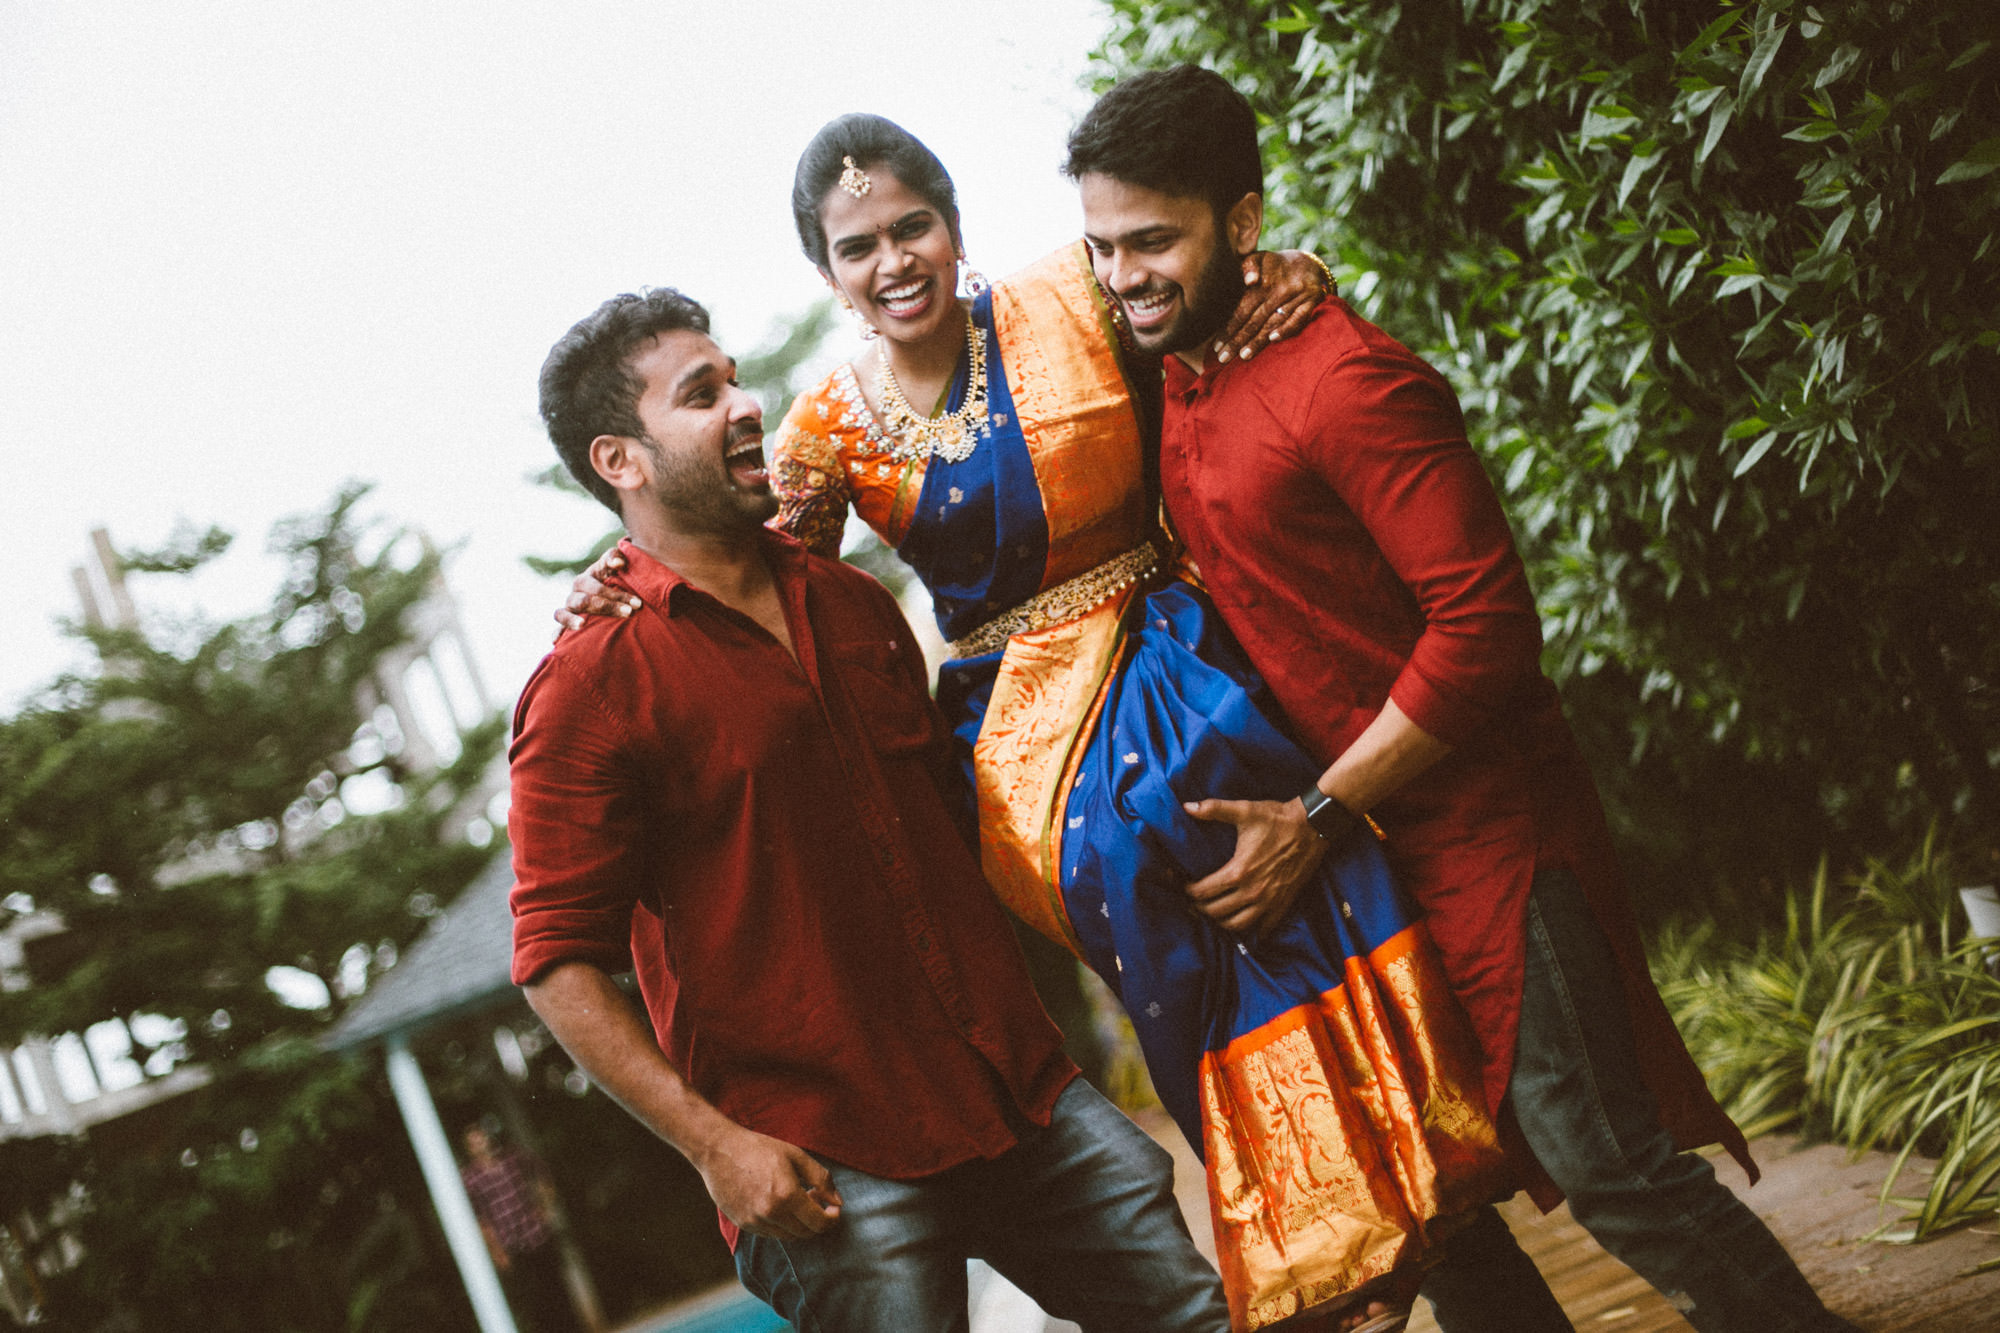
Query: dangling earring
{"points": [[1119, 324], [867, 330], [975, 281]]}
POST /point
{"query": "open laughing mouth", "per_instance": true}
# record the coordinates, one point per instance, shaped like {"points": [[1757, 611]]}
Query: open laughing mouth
{"points": [[1150, 307], [745, 461], [906, 300]]}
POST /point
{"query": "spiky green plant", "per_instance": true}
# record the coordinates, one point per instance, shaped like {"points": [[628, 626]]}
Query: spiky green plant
{"points": [[1869, 1020]]}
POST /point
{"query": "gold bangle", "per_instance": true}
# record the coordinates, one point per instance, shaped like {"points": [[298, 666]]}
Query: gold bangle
{"points": [[1327, 286]]}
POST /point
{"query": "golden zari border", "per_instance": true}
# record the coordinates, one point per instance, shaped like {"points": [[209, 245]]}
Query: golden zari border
{"points": [[1044, 694], [1338, 1135], [1065, 601], [1075, 412]]}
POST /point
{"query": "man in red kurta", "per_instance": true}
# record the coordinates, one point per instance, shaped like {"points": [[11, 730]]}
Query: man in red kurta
{"points": [[735, 790], [1350, 538]]}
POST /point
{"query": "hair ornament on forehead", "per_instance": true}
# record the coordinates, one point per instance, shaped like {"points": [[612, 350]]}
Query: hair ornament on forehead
{"points": [[853, 179]]}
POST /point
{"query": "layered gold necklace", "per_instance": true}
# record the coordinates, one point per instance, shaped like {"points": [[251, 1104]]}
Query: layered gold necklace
{"points": [[951, 436]]}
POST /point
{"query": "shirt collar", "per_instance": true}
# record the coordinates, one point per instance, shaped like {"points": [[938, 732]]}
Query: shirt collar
{"points": [[660, 585], [1181, 377]]}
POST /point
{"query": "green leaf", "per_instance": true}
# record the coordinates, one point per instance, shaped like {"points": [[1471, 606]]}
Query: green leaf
{"points": [[1984, 158], [1705, 98], [1604, 122], [1718, 121], [1760, 60], [1755, 452], [1680, 285], [1635, 171], [1969, 54], [1708, 37], [1836, 68]]}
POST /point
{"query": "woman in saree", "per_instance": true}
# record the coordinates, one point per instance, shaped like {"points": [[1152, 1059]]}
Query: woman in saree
{"points": [[1319, 1065]]}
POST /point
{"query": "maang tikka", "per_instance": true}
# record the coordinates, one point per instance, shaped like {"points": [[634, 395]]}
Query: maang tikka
{"points": [[853, 179]]}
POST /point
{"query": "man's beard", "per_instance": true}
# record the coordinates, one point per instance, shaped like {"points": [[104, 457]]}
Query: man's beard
{"points": [[699, 492], [1214, 299], [1205, 311]]}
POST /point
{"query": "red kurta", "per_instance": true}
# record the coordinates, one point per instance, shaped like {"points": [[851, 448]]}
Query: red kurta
{"points": [[1352, 540], [766, 842]]}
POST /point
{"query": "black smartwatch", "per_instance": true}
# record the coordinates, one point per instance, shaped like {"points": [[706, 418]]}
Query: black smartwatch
{"points": [[1328, 817]]}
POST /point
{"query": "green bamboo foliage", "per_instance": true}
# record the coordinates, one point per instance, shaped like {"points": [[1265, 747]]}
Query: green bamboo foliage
{"points": [[1719, 287]]}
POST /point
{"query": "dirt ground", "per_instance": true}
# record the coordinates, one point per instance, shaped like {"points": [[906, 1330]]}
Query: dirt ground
{"points": [[1820, 1202]]}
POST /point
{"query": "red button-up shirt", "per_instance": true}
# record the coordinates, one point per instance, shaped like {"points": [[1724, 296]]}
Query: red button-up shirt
{"points": [[764, 841], [1354, 544]]}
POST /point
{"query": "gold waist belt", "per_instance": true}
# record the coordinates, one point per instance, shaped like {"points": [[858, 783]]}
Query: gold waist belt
{"points": [[1065, 601]]}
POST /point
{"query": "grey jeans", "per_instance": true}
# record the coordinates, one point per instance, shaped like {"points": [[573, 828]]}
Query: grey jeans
{"points": [[1080, 1216], [1577, 1092]]}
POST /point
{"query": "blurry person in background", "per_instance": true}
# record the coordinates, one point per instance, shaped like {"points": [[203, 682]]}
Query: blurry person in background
{"points": [[515, 1205]]}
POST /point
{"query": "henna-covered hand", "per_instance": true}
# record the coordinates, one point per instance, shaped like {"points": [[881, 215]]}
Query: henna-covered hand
{"points": [[1281, 289], [590, 595]]}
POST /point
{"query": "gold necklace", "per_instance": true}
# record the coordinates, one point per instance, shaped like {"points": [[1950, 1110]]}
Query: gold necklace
{"points": [[951, 436]]}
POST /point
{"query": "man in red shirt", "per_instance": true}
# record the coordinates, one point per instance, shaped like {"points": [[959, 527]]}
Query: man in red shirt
{"points": [[734, 790], [1353, 542]]}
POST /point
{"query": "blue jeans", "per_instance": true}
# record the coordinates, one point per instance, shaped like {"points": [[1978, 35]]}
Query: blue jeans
{"points": [[1577, 1093], [1080, 1216]]}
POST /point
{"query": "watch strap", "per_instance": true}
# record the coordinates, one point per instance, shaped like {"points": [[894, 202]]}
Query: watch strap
{"points": [[1328, 817]]}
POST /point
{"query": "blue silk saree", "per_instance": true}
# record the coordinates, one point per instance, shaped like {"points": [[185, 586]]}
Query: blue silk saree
{"points": [[1321, 1068]]}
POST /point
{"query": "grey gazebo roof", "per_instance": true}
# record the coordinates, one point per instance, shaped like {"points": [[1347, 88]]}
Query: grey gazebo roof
{"points": [[458, 964]]}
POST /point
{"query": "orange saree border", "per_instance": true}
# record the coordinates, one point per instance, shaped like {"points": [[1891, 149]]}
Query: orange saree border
{"points": [[1075, 411], [1082, 434], [1047, 691], [1318, 1184]]}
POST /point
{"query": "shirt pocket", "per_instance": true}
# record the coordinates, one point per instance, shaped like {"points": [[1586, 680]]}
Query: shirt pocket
{"points": [[897, 718]]}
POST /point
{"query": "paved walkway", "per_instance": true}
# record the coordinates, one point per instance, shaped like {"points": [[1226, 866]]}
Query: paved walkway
{"points": [[1818, 1202]]}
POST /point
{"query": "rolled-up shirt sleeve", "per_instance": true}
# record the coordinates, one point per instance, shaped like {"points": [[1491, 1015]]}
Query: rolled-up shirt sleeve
{"points": [[574, 824], [1391, 441]]}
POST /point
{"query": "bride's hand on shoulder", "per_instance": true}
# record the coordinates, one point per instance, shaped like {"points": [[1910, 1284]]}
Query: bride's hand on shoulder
{"points": [[591, 595], [1281, 289]]}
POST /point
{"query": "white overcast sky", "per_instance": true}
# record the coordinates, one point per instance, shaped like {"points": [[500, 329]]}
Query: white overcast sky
{"points": [[252, 249]]}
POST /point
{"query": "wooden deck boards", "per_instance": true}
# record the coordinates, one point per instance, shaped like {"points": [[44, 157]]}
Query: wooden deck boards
{"points": [[1817, 1200]]}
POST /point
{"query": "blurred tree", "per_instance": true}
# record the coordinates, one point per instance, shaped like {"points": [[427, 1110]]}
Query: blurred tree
{"points": [[1717, 284], [235, 839]]}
